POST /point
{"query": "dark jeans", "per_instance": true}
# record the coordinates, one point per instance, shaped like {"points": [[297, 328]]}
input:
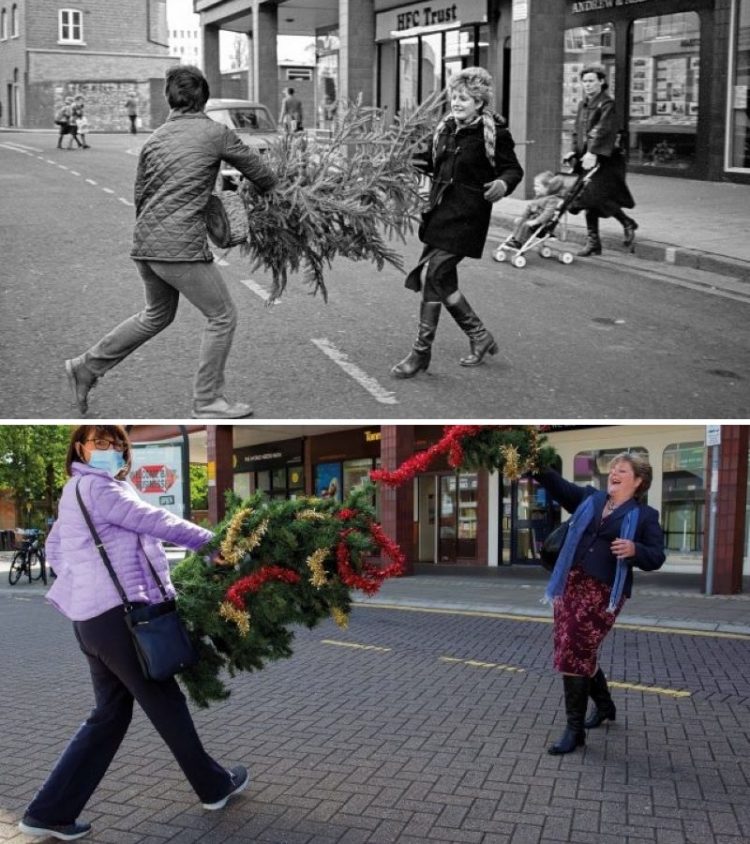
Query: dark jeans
{"points": [[117, 680]]}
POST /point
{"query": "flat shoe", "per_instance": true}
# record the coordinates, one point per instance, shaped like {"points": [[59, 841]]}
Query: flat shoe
{"points": [[79, 390], [239, 779], [221, 409], [65, 832]]}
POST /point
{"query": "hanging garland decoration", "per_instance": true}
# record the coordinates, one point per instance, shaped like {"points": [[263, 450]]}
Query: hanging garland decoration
{"points": [[513, 450], [347, 196], [283, 563]]}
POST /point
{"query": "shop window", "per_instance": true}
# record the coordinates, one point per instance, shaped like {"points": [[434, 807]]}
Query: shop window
{"points": [[683, 496], [584, 45], [457, 527], [408, 74], [663, 102], [357, 472], [592, 467], [432, 64], [263, 481], [70, 26], [739, 102], [328, 480]]}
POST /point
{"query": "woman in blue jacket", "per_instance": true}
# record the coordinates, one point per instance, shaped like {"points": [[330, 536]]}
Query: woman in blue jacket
{"points": [[608, 535]]}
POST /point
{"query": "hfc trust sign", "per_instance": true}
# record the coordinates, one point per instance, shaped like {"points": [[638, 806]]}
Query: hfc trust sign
{"points": [[426, 16]]}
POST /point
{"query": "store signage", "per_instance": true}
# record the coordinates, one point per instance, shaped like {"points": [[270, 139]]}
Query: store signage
{"points": [[373, 436], [414, 18], [156, 473], [581, 6], [270, 455]]}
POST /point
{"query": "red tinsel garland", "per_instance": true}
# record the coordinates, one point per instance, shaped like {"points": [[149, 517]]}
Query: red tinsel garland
{"points": [[253, 582], [372, 576], [450, 442]]}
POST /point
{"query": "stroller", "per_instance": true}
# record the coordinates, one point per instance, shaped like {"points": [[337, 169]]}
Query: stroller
{"points": [[539, 239]]}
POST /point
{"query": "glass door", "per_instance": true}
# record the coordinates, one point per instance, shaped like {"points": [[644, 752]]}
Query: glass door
{"points": [[447, 540]]}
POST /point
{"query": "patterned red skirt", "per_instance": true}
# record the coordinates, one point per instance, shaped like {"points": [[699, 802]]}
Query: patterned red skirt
{"points": [[581, 623]]}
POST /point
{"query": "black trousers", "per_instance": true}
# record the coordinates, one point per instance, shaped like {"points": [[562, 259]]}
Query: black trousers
{"points": [[117, 678]]}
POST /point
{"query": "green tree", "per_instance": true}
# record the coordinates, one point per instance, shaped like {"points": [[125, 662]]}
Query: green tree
{"points": [[198, 486], [32, 467]]}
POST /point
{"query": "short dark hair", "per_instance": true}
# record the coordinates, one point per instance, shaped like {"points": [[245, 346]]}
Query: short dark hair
{"points": [[114, 432], [290, 91], [186, 88]]}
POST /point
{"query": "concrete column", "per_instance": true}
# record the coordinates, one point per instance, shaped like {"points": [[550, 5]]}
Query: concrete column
{"points": [[397, 504], [264, 59], [730, 512], [536, 88], [211, 70], [357, 51], [219, 448]]}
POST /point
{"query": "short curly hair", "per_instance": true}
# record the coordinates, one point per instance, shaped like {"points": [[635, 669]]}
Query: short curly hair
{"points": [[476, 81]]}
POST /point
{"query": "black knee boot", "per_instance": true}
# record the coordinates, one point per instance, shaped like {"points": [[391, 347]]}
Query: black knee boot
{"points": [[593, 243], [605, 707], [418, 358], [629, 226], [576, 699], [481, 341]]}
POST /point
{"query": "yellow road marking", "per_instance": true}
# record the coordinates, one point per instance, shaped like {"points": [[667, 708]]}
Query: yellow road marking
{"points": [[354, 645], [657, 690], [475, 663], [641, 628]]}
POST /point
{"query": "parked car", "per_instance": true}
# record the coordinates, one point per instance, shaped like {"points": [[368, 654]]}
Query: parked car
{"points": [[253, 122]]}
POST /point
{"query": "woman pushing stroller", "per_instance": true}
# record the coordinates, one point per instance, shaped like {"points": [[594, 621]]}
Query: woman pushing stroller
{"points": [[472, 163]]}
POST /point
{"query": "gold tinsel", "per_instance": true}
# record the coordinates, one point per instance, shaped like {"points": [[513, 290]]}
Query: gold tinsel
{"points": [[311, 515], [235, 546], [318, 575], [238, 617], [512, 468], [340, 617]]}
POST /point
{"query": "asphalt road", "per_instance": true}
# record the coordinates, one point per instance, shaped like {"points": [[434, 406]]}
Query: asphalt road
{"points": [[407, 728], [615, 337]]}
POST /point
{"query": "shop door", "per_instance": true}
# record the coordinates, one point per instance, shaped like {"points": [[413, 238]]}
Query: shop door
{"points": [[447, 539], [426, 513], [527, 518]]}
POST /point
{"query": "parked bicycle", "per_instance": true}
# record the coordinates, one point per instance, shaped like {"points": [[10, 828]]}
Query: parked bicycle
{"points": [[29, 559]]}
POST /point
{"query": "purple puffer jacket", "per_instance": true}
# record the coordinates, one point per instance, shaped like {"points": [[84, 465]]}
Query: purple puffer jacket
{"points": [[83, 588]]}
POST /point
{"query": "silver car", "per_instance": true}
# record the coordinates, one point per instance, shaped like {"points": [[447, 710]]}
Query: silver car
{"points": [[253, 122]]}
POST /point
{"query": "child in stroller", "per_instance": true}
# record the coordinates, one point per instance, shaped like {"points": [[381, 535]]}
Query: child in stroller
{"points": [[554, 194]]}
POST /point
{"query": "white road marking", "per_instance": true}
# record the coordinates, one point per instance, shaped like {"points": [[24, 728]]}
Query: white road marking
{"points": [[107, 190], [256, 288], [75, 172], [91, 181], [62, 166], [367, 382], [220, 261], [125, 201], [50, 161], [21, 147]]}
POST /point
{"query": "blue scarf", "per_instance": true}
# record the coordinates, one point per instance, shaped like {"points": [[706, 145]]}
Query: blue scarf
{"points": [[577, 524]]}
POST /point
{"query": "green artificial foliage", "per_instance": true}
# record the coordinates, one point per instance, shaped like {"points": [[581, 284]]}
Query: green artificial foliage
{"points": [[347, 196], [283, 536]]}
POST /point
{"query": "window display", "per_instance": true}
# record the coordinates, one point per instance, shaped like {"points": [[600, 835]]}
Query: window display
{"points": [[683, 496], [739, 104]]}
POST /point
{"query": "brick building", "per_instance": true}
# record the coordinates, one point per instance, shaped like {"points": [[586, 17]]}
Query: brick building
{"points": [[102, 49], [679, 70]]}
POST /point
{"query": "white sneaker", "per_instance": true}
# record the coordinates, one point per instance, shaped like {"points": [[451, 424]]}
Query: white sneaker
{"points": [[220, 408], [240, 779]]}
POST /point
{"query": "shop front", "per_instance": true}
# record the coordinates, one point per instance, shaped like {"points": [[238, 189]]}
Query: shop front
{"points": [[668, 64], [274, 468]]}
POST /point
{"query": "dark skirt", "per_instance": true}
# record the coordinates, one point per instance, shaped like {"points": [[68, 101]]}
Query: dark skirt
{"points": [[581, 623], [606, 189]]}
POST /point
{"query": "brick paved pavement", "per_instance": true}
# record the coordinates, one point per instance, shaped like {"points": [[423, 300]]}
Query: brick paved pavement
{"points": [[434, 732]]}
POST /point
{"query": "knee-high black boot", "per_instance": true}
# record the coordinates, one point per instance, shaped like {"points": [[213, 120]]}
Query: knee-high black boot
{"points": [[605, 706], [419, 357], [480, 340], [576, 699], [593, 243], [629, 226]]}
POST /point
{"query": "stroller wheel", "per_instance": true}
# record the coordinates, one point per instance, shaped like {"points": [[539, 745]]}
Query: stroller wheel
{"points": [[566, 258], [519, 261], [545, 252], [500, 254]]}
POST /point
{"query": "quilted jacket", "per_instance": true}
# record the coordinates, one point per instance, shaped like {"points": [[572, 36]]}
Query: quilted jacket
{"points": [[177, 170], [127, 525]]}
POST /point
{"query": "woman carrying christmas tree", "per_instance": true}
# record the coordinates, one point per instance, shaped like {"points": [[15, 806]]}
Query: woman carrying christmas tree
{"points": [[472, 164]]}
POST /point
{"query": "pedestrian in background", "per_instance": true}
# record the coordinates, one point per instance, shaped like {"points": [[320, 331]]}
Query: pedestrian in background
{"points": [[131, 530], [170, 245], [472, 164], [131, 107], [82, 123], [609, 534], [290, 116], [595, 144], [76, 113], [62, 118]]}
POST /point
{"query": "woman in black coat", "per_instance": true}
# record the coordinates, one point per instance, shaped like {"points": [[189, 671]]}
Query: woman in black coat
{"points": [[608, 535], [595, 144], [472, 164]]}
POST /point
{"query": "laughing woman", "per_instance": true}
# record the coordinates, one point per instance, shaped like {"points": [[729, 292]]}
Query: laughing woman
{"points": [[609, 534], [472, 164]]}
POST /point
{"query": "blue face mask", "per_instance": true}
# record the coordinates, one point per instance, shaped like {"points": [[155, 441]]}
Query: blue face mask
{"points": [[109, 461]]}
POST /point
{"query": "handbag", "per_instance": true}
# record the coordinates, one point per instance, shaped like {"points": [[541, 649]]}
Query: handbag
{"points": [[552, 545], [161, 641], [226, 219]]}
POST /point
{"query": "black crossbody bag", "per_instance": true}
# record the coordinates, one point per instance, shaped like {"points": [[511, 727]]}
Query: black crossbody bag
{"points": [[161, 642]]}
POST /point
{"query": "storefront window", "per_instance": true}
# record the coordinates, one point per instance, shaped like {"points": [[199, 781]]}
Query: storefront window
{"points": [[328, 480], [408, 77], [739, 103], [457, 529], [683, 496], [357, 472], [327, 50], [584, 45], [592, 467], [432, 63], [665, 75]]}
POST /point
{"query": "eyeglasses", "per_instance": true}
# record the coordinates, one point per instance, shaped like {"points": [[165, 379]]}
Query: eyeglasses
{"points": [[105, 444]]}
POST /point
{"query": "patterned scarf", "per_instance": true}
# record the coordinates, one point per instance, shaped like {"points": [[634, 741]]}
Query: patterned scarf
{"points": [[488, 119], [577, 524]]}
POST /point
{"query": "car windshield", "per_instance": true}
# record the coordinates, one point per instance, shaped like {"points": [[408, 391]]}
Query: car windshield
{"points": [[245, 119]]}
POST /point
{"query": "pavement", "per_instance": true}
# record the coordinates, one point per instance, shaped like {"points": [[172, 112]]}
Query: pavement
{"points": [[685, 222], [659, 600]]}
